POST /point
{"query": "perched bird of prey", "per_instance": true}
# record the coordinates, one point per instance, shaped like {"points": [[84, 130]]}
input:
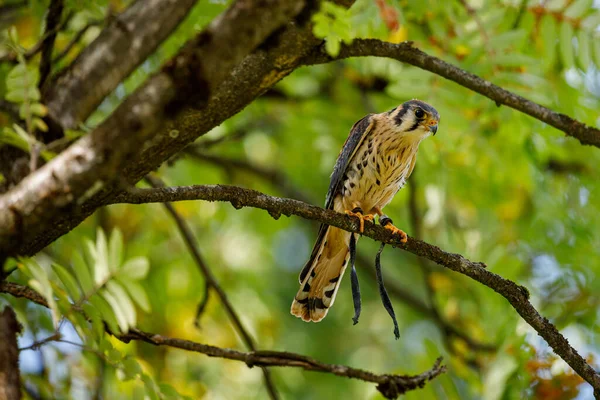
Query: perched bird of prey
{"points": [[375, 162]]}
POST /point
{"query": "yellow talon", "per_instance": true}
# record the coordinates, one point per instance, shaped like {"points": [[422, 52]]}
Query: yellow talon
{"points": [[362, 218], [403, 236]]}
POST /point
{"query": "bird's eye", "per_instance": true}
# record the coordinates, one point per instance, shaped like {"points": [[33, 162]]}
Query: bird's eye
{"points": [[419, 113]]}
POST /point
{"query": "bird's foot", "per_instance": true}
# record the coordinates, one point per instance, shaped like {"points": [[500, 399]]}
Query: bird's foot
{"points": [[386, 222], [358, 213]]}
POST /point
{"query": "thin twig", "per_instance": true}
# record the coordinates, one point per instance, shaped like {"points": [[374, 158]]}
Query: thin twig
{"points": [[75, 40], [32, 51], [517, 295], [391, 386], [190, 241], [52, 22], [477, 20]]}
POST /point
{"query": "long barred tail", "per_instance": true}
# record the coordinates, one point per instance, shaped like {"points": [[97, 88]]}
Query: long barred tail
{"points": [[321, 277]]}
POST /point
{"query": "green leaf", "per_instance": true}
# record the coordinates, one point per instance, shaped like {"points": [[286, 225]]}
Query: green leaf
{"points": [[38, 109], [332, 46], [107, 313], [507, 39], [115, 250], [168, 391], [46, 290], [39, 124], [124, 301], [68, 281], [596, 50], [101, 270], [114, 356], [549, 40], [151, 390], [95, 317], [131, 368], [117, 310], [579, 8], [10, 137], [82, 273], [584, 57], [566, 45], [81, 325], [136, 268], [137, 293]]}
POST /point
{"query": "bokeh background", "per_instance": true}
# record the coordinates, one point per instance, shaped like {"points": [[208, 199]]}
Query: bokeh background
{"points": [[493, 185]]}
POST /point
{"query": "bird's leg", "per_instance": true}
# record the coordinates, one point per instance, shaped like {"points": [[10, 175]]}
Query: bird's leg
{"points": [[358, 213], [387, 223]]}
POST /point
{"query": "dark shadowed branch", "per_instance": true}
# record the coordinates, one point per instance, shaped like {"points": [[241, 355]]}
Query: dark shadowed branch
{"points": [[212, 283], [36, 202], [517, 296], [390, 386], [10, 380], [407, 53], [86, 78], [53, 18]]}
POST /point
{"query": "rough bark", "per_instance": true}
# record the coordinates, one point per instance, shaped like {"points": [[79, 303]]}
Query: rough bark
{"points": [[121, 47], [10, 380], [93, 166]]}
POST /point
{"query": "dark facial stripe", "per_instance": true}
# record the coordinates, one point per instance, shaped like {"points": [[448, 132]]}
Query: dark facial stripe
{"points": [[400, 115], [414, 126]]}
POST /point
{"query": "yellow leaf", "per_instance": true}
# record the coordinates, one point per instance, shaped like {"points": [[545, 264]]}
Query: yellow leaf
{"points": [[399, 35], [462, 51]]}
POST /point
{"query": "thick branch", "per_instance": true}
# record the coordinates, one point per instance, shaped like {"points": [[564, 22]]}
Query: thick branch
{"points": [[274, 60], [97, 71], [405, 52], [10, 380], [517, 296], [94, 162], [391, 386]]}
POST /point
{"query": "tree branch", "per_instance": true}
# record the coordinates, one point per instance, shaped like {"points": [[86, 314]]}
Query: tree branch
{"points": [[391, 386], [10, 379], [405, 52], [94, 162], [517, 296], [190, 242], [53, 17], [267, 65], [137, 32]]}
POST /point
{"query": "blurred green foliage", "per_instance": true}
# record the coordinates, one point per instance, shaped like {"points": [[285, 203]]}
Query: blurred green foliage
{"points": [[494, 185]]}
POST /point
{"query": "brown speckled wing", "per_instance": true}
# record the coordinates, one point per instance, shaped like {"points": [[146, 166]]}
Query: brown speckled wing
{"points": [[358, 132]]}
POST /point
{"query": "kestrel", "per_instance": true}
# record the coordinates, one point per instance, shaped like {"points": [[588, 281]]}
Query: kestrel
{"points": [[375, 162]]}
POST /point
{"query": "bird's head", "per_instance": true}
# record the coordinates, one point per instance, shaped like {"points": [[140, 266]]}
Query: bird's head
{"points": [[416, 116]]}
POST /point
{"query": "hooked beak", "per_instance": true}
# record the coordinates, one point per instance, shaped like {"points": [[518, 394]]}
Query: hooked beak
{"points": [[433, 129]]}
